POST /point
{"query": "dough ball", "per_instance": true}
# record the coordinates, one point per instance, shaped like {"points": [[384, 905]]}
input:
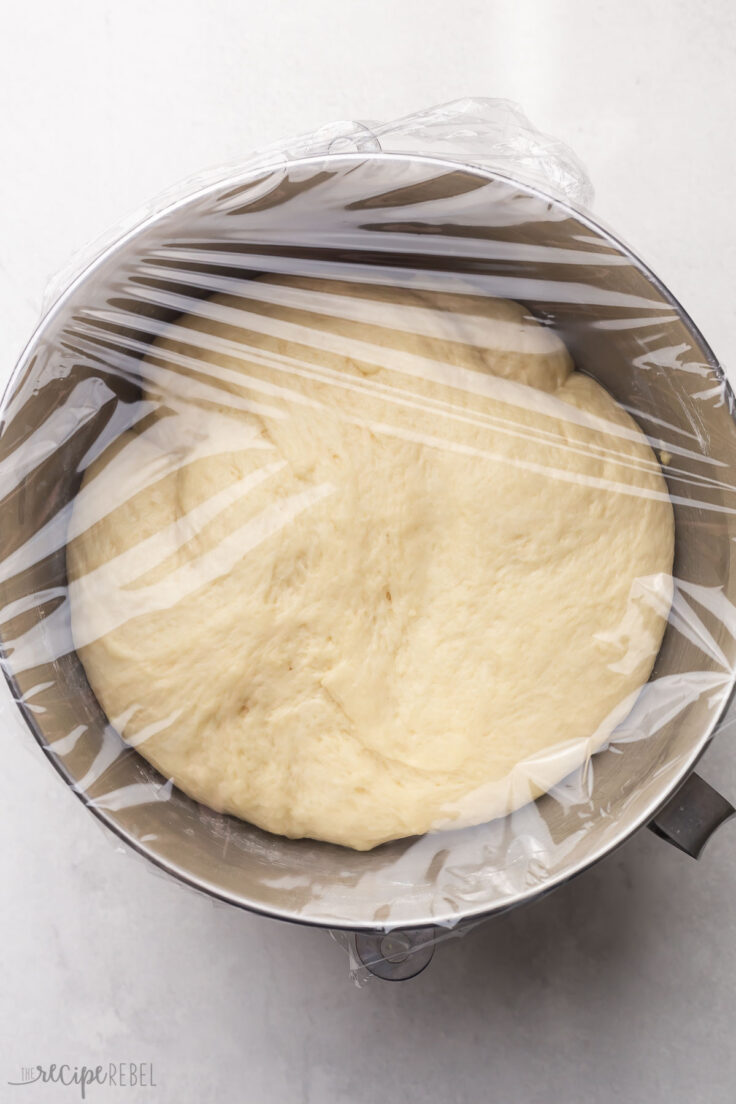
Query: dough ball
{"points": [[380, 562]]}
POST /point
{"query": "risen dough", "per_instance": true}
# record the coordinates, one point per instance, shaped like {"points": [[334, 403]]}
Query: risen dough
{"points": [[372, 563]]}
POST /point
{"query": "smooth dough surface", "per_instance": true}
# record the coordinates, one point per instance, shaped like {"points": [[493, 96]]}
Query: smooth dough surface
{"points": [[371, 562]]}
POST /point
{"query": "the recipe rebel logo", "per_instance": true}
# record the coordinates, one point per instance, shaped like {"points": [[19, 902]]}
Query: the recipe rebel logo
{"points": [[119, 1075]]}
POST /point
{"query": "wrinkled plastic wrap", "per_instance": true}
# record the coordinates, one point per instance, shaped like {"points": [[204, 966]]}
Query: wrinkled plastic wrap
{"points": [[305, 470]]}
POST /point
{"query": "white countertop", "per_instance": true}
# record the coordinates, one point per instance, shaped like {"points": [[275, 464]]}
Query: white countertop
{"points": [[619, 986]]}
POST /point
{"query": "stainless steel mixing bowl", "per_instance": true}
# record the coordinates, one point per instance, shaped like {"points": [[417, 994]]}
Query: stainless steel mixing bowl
{"points": [[386, 218]]}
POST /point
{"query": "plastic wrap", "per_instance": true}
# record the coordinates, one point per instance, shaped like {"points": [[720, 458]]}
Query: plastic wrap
{"points": [[343, 487]]}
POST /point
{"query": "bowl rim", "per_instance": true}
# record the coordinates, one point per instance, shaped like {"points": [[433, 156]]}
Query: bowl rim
{"points": [[238, 178]]}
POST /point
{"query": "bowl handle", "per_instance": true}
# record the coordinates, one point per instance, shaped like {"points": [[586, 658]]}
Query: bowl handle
{"points": [[690, 818]]}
